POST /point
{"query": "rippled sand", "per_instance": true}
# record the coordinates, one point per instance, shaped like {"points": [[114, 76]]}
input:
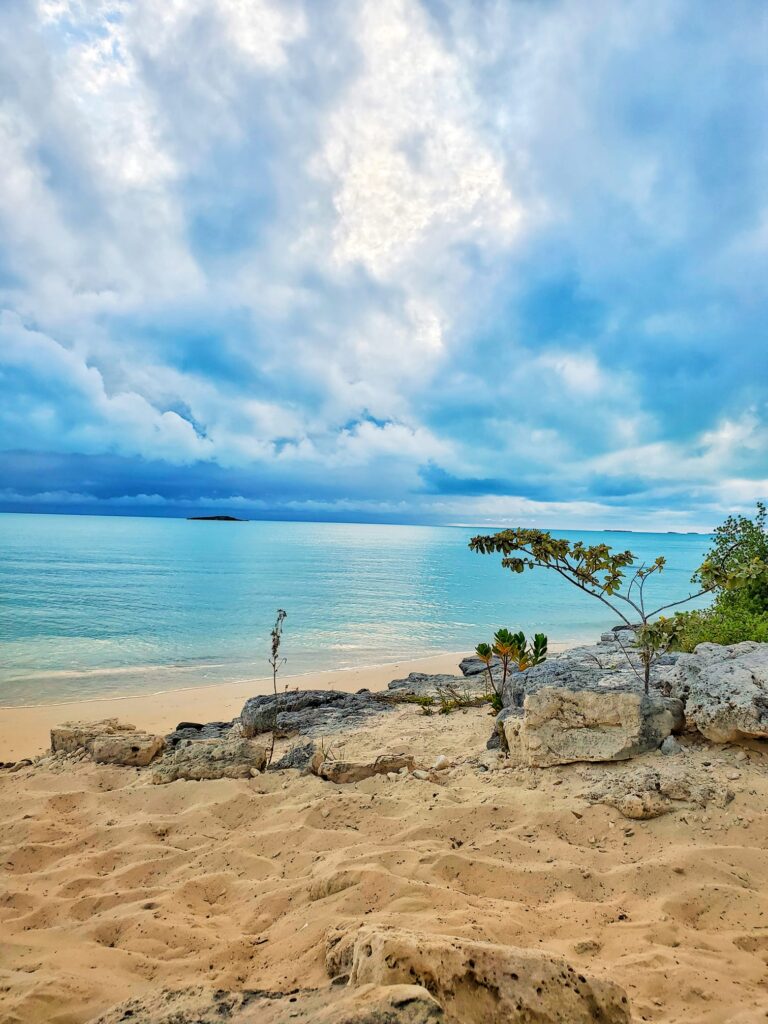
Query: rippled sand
{"points": [[113, 887]]}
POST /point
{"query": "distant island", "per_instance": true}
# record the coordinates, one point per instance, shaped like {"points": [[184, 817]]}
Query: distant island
{"points": [[217, 519]]}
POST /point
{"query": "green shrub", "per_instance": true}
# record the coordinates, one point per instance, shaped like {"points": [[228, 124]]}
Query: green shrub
{"points": [[741, 548], [721, 624], [741, 613]]}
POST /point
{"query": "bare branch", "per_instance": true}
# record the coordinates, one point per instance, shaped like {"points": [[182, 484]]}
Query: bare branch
{"points": [[674, 604]]}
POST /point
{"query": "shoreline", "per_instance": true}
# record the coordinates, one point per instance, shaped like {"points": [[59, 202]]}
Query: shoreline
{"points": [[25, 729], [250, 680]]}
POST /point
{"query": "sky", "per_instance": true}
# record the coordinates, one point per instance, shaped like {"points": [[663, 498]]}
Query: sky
{"points": [[432, 261]]}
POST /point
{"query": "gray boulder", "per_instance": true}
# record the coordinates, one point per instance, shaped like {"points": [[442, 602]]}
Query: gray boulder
{"points": [[211, 759], [671, 747], [560, 726], [725, 690], [198, 731], [473, 666], [308, 712], [419, 684], [299, 757]]}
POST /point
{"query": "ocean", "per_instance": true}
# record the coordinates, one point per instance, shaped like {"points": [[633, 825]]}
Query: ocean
{"points": [[93, 606]]}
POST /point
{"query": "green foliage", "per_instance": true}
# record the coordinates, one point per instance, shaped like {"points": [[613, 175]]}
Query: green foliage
{"points": [[511, 649], [539, 648], [740, 550], [592, 567], [495, 700], [740, 608], [528, 654], [735, 570], [601, 572], [721, 624]]}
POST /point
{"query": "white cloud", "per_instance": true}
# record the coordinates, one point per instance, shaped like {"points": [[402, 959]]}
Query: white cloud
{"points": [[580, 372], [409, 171], [233, 228]]}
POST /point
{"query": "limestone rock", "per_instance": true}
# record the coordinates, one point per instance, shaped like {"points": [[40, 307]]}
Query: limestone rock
{"points": [[602, 666], [477, 981], [132, 749], [395, 1004], [342, 772], [71, 736], [560, 726], [648, 793], [211, 759], [725, 689], [309, 712]]}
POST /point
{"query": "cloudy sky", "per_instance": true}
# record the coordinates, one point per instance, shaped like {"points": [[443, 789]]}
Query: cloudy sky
{"points": [[477, 261]]}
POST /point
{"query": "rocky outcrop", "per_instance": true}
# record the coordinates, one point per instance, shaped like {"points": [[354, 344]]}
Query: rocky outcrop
{"points": [[725, 690], [198, 731], [211, 759], [107, 741], [395, 1004], [299, 756], [71, 736], [474, 666], [131, 749], [342, 772], [560, 726], [420, 684], [648, 792], [309, 712], [476, 981], [603, 666]]}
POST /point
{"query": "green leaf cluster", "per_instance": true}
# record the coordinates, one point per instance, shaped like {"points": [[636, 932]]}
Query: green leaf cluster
{"points": [[721, 624], [511, 649], [737, 563], [736, 566]]}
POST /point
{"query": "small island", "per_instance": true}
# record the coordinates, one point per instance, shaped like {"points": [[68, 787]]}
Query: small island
{"points": [[216, 519]]}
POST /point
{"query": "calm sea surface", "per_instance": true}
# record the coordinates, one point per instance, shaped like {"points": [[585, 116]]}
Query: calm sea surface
{"points": [[94, 605]]}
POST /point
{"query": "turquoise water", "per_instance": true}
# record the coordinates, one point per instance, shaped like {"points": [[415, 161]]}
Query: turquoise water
{"points": [[99, 605]]}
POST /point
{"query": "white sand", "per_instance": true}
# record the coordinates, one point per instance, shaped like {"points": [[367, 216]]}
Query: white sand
{"points": [[25, 731], [114, 887]]}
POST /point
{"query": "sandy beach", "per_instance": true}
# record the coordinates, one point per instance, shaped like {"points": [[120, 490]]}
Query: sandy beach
{"points": [[115, 888], [25, 731]]}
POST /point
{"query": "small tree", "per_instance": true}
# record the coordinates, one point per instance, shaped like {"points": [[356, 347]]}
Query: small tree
{"points": [[486, 654], [275, 662], [600, 572]]}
